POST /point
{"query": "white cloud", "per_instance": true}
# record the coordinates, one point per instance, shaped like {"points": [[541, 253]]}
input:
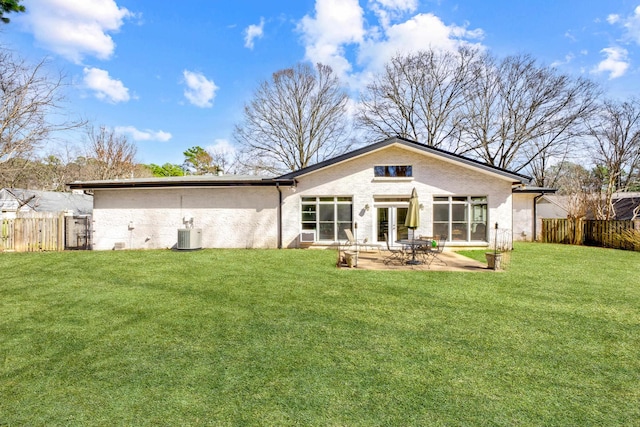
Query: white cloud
{"points": [[337, 23], [253, 32], [105, 87], [337, 31], [616, 62], [570, 36], [420, 32], [567, 59], [74, 29], [200, 91], [388, 10], [409, 5], [632, 24], [222, 146], [144, 135]]}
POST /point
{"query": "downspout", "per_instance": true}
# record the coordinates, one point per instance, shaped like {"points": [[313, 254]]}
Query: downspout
{"points": [[279, 215], [535, 216]]}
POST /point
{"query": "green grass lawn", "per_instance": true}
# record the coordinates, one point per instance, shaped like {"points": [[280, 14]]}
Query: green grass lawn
{"points": [[267, 337]]}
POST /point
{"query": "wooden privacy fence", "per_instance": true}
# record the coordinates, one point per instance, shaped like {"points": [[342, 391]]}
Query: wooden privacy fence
{"points": [[560, 230], [615, 234], [39, 232]]}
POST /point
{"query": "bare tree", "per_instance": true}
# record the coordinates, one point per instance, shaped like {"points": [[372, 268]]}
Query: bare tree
{"points": [[226, 160], [561, 139], [570, 178], [51, 172], [419, 96], [61, 162], [577, 185], [297, 118], [109, 155], [615, 133], [519, 113], [30, 112]]}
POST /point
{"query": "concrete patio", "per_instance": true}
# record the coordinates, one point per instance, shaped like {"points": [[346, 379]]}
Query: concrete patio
{"points": [[447, 261]]}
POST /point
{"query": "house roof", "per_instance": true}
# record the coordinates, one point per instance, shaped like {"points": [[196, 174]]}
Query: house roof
{"points": [[290, 178], [9, 202], [559, 201], [52, 201], [625, 204], [181, 181], [418, 147]]}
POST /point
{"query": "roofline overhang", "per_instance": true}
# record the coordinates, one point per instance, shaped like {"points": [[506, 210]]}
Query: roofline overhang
{"points": [[161, 183], [534, 190]]}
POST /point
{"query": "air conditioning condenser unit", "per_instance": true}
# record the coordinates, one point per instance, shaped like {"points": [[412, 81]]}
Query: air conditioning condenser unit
{"points": [[189, 239]]}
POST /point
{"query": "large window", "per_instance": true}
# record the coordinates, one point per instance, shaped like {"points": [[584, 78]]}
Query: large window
{"points": [[399, 171], [327, 216], [460, 218]]}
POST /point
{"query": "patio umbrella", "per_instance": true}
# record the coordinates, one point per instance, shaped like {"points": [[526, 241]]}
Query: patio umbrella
{"points": [[412, 221]]}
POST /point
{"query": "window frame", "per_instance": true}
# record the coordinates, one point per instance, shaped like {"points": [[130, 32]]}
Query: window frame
{"points": [[326, 220], [391, 171], [475, 211]]}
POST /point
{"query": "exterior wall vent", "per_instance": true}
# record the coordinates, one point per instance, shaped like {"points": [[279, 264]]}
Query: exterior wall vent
{"points": [[189, 239], [308, 236]]}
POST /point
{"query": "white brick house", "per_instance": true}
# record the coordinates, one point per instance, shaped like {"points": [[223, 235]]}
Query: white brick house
{"points": [[367, 189]]}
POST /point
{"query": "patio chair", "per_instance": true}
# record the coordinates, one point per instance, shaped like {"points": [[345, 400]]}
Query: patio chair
{"points": [[394, 254], [435, 251], [351, 241], [364, 243], [423, 251]]}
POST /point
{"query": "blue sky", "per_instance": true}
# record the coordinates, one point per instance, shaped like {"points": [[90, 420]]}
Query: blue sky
{"points": [[172, 78]]}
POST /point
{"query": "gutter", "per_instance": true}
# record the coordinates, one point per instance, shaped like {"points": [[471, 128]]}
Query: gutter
{"points": [[292, 183], [87, 186], [279, 215], [535, 216], [535, 212]]}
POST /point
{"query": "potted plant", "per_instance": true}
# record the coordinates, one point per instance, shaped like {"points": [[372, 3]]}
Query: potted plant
{"points": [[351, 259], [494, 259], [500, 245]]}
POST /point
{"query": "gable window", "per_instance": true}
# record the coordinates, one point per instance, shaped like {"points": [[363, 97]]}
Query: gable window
{"points": [[327, 216], [394, 171], [460, 218]]}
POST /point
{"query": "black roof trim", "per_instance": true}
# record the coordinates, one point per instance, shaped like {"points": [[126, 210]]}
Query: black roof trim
{"points": [[161, 183], [413, 144], [535, 190]]}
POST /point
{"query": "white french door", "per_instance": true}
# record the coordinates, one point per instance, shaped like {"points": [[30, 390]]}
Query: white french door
{"points": [[390, 221]]}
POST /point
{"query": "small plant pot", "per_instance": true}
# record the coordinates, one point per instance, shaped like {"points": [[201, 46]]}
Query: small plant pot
{"points": [[350, 259], [493, 260]]}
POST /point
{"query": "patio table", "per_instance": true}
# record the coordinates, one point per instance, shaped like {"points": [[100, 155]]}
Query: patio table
{"points": [[414, 243]]}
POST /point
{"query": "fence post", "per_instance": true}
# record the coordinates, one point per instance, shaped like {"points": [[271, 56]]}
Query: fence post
{"points": [[60, 232], [7, 234]]}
